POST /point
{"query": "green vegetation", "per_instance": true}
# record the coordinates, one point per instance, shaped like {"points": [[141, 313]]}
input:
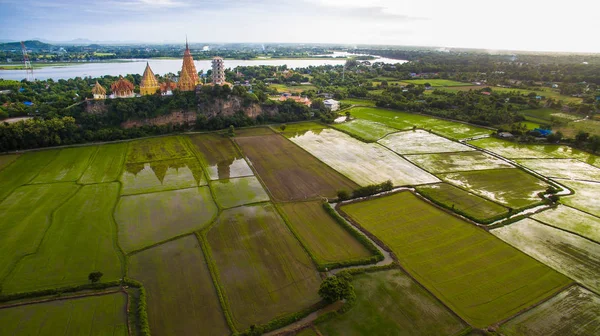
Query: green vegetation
{"points": [[263, 271], [254, 131], [238, 191], [436, 82], [391, 303], [575, 311], [301, 128], [106, 166], [68, 165], [327, 242], [359, 102], [147, 219], [460, 201], [92, 315], [478, 276], [510, 187], [365, 130], [31, 207], [5, 160], [162, 175], [154, 149], [421, 142], [572, 220], [585, 198], [337, 287], [290, 173], [81, 242], [181, 296], [220, 157], [292, 88], [456, 162]]}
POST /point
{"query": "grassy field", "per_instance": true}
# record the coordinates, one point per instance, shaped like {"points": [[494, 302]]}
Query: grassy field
{"points": [[365, 129], [437, 82], [391, 303], [238, 191], [585, 198], [26, 215], [359, 102], [406, 121], [420, 142], [457, 162], [92, 315], [572, 220], [575, 312], [23, 170], [530, 151], [5, 160], [292, 88], [572, 128], [289, 172], [549, 114], [148, 219], [563, 168], [220, 157], [576, 257], [81, 240], [321, 234], [363, 163], [510, 187], [67, 166], [471, 204], [107, 164], [263, 270], [153, 149], [477, 275], [301, 128], [545, 92], [139, 178], [179, 286]]}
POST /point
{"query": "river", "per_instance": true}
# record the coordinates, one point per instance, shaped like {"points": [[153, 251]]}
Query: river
{"points": [[161, 66]]}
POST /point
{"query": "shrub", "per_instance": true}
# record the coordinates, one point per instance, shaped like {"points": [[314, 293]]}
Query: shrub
{"points": [[343, 195], [337, 287], [95, 276]]}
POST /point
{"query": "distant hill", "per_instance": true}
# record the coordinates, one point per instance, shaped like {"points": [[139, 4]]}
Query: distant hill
{"points": [[31, 45]]}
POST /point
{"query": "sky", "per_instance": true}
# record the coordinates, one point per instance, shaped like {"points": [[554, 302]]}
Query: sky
{"points": [[548, 25]]}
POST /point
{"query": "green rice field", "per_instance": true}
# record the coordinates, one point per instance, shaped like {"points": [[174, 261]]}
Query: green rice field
{"points": [[139, 178], [220, 157], [457, 162], [571, 220], [327, 241], [437, 82], [238, 191], [478, 276], [359, 102], [391, 303], [300, 128], [365, 129], [421, 142], [106, 166], [23, 170], [67, 166], [92, 315], [5, 160], [585, 197], [154, 149], [179, 285]]}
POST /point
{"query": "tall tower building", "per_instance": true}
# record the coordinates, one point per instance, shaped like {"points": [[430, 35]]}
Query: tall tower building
{"points": [[188, 78], [218, 71], [149, 85]]}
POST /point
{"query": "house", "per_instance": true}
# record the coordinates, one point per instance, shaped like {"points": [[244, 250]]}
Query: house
{"points": [[505, 135], [3, 92], [543, 132], [301, 100], [332, 105], [555, 86], [325, 95], [486, 93]]}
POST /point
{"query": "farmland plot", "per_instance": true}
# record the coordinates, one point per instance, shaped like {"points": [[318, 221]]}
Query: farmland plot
{"points": [[5, 160], [253, 131], [575, 312], [563, 168], [23, 170], [263, 270], [139, 178], [572, 220], [510, 187], [77, 243], [92, 315], [179, 286], [321, 234], [301, 128], [148, 219], [391, 303], [478, 276], [107, 164], [220, 157], [585, 198], [463, 201], [456, 162], [26, 215], [576, 257], [361, 162], [154, 149], [420, 142], [365, 129], [67, 166], [238, 191], [289, 172]]}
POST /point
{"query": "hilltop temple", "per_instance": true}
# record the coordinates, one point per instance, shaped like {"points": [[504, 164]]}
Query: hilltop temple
{"points": [[149, 85], [122, 88], [188, 78], [98, 91]]}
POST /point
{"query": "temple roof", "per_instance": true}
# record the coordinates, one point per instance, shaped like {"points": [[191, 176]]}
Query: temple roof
{"points": [[122, 85], [98, 89], [168, 85], [188, 64], [148, 79]]}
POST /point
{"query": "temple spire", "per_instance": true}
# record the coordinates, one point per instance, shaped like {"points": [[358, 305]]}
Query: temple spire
{"points": [[186, 42]]}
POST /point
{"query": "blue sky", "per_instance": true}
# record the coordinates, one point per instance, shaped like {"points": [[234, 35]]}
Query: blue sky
{"points": [[508, 24]]}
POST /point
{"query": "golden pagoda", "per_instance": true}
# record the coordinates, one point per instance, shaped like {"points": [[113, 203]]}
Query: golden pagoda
{"points": [[188, 79], [98, 91], [149, 85]]}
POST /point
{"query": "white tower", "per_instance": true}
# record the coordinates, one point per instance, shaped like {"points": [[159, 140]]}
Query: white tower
{"points": [[218, 71]]}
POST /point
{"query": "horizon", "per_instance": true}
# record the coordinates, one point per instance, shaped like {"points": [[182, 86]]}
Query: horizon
{"points": [[435, 24]]}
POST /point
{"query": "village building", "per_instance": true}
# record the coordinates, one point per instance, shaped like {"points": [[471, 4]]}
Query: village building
{"points": [[332, 105], [301, 100], [149, 85], [98, 91]]}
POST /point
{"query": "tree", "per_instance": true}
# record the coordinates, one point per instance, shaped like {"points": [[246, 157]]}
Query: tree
{"points": [[348, 116], [95, 276], [581, 137], [595, 143], [337, 287], [231, 131], [283, 127]]}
